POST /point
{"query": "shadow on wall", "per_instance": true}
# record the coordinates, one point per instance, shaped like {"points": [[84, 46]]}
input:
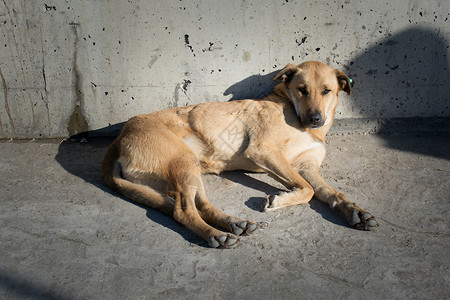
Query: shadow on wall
{"points": [[402, 85], [405, 75], [253, 87], [109, 131]]}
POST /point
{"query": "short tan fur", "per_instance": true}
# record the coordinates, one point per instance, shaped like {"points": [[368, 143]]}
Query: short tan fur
{"points": [[158, 158]]}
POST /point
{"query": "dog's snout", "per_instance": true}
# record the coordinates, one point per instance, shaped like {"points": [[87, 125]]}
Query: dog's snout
{"points": [[315, 120]]}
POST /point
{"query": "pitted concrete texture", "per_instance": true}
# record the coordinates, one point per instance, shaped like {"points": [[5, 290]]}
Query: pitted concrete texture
{"points": [[64, 235], [72, 66]]}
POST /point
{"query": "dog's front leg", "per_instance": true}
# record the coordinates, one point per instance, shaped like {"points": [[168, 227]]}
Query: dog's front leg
{"points": [[278, 167], [356, 216]]}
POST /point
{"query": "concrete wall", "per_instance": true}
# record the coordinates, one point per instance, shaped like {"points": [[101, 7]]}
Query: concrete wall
{"points": [[68, 66]]}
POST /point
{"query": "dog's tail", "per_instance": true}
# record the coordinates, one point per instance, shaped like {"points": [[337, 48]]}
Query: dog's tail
{"points": [[138, 193]]}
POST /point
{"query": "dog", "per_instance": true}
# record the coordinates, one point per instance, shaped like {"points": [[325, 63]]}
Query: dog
{"points": [[158, 158]]}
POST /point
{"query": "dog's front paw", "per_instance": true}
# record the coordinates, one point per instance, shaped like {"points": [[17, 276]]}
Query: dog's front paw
{"points": [[356, 216], [363, 220], [225, 240], [270, 202], [243, 227]]}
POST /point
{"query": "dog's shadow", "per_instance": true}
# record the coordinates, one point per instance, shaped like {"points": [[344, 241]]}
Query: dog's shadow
{"points": [[255, 203], [252, 87], [82, 156]]}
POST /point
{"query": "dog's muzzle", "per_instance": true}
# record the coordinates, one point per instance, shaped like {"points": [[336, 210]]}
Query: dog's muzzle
{"points": [[314, 120]]}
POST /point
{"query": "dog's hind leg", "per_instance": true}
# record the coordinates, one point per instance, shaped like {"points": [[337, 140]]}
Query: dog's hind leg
{"points": [[132, 187], [215, 217], [185, 177]]}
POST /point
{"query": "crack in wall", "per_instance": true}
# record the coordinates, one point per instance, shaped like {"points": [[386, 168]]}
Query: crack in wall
{"points": [[43, 75], [8, 111]]}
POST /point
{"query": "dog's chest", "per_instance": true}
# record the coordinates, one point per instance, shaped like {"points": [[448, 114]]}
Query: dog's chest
{"points": [[300, 142]]}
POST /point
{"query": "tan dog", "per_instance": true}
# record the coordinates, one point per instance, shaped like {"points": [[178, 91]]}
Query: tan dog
{"points": [[158, 158]]}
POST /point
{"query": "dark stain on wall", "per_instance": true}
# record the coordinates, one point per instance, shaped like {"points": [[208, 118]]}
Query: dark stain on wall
{"points": [[77, 122], [302, 41], [5, 95], [186, 82], [187, 43]]}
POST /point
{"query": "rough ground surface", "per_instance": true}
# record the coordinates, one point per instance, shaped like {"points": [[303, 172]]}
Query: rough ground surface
{"points": [[64, 235]]}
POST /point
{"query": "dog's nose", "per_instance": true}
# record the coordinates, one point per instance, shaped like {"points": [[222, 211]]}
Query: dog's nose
{"points": [[315, 120]]}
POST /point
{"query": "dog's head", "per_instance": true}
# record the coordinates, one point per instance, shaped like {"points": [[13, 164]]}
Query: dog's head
{"points": [[313, 88]]}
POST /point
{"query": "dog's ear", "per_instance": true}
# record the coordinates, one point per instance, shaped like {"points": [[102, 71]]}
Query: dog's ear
{"points": [[344, 82], [286, 74]]}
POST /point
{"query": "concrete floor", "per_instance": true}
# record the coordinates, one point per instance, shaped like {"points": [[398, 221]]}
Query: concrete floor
{"points": [[64, 235]]}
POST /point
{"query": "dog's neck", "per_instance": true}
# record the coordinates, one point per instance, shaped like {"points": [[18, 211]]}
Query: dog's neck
{"points": [[280, 91]]}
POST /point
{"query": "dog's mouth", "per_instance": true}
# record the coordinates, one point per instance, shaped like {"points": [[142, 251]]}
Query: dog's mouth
{"points": [[314, 126], [313, 120]]}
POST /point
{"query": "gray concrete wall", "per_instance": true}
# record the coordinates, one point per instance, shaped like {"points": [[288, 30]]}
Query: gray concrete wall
{"points": [[69, 66]]}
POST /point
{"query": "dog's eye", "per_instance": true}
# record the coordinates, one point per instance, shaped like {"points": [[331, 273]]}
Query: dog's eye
{"points": [[303, 90], [326, 91]]}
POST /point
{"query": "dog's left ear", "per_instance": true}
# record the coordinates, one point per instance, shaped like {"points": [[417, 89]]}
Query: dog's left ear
{"points": [[286, 74], [344, 81]]}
